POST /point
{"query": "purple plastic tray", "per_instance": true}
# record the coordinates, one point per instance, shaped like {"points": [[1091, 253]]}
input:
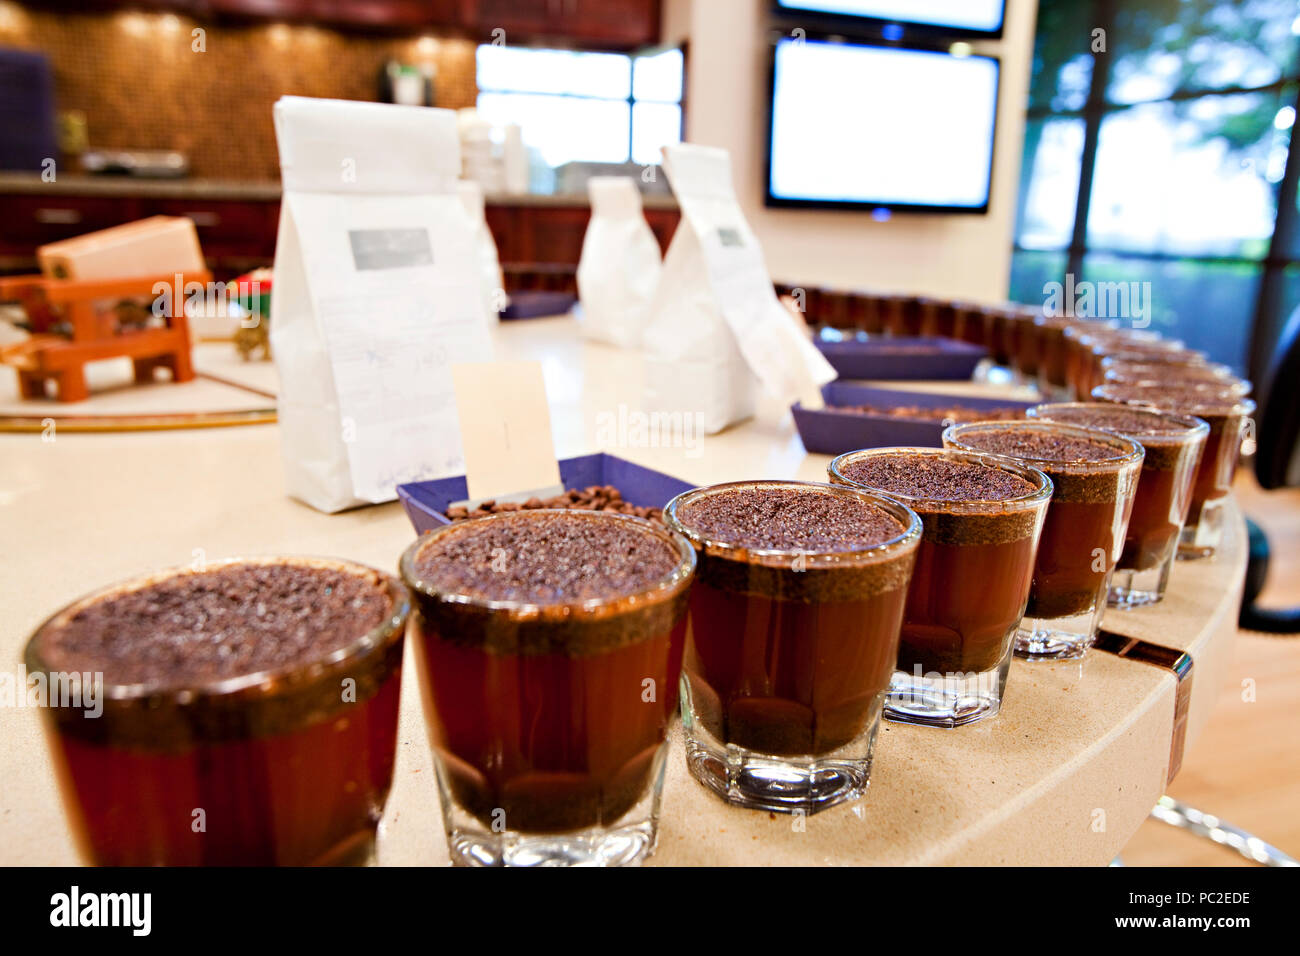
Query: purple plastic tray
{"points": [[536, 305], [894, 358], [831, 432], [425, 501]]}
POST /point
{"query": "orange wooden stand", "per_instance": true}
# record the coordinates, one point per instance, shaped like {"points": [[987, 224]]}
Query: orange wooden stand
{"points": [[95, 331]]}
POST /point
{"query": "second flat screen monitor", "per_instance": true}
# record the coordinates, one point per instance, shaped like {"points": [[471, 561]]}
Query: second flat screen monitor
{"points": [[983, 17], [856, 125]]}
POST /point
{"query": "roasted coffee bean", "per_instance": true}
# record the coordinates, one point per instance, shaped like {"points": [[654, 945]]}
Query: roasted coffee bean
{"points": [[591, 498]]}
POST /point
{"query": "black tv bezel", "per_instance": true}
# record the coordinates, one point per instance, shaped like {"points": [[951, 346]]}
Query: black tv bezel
{"points": [[771, 201], [912, 29]]}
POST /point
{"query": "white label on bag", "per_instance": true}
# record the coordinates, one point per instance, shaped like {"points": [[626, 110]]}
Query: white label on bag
{"points": [[390, 248], [394, 322]]}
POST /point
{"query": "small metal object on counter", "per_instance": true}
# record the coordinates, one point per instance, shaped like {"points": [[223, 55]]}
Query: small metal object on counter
{"points": [[1209, 827], [146, 163], [1179, 663]]}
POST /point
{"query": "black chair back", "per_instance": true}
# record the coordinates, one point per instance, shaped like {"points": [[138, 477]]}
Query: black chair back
{"points": [[1277, 439]]}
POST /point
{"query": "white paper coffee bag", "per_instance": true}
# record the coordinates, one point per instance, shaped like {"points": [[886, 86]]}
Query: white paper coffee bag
{"points": [[717, 331], [618, 271], [376, 296], [491, 280]]}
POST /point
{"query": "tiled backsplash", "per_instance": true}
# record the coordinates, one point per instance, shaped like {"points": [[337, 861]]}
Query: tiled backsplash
{"points": [[142, 85]]}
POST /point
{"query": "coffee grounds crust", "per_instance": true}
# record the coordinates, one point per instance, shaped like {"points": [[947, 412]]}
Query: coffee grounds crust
{"points": [[1160, 436], [1201, 399], [1131, 422], [200, 628], [756, 539], [950, 413], [789, 519], [626, 601], [1136, 373], [936, 479], [1035, 445], [1060, 457], [545, 558]]}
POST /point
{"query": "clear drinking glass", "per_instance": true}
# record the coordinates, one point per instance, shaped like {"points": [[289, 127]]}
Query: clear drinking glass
{"points": [[968, 591], [1083, 535], [286, 766], [1154, 373], [1173, 445], [1228, 415], [549, 720], [790, 657]]}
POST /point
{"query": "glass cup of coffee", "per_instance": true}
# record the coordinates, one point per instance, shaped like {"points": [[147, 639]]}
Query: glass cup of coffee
{"points": [[1094, 474], [794, 624], [1053, 352], [1154, 373], [1095, 339], [247, 713], [1173, 445], [549, 648], [1228, 416], [981, 518]]}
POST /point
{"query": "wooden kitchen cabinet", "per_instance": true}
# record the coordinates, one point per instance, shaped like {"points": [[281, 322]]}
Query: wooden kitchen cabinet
{"points": [[239, 234], [32, 221], [550, 234], [235, 234], [592, 24], [228, 228], [605, 24], [378, 14]]}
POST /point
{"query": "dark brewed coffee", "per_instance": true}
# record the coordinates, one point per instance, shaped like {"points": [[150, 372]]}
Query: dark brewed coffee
{"points": [[250, 719], [975, 561], [789, 659], [1090, 507], [550, 643], [1173, 447]]}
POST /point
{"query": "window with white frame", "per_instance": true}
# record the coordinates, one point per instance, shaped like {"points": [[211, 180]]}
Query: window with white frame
{"points": [[576, 106]]}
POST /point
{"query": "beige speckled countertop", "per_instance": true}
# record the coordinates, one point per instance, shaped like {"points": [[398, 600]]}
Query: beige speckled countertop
{"points": [[1064, 775]]}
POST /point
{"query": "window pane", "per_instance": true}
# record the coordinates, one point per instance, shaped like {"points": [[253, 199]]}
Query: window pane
{"points": [[654, 125], [524, 70], [1208, 305], [1049, 183], [1286, 120], [1062, 55], [1290, 295], [563, 128], [1030, 271], [1196, 177], [1160, 46], [658, 77]]}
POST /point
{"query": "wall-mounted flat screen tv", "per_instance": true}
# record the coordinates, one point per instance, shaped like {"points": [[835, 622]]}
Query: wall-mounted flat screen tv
{"points": [[965, 17], [859, 126]]}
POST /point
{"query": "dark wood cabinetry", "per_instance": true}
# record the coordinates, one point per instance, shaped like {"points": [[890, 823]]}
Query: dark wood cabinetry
{"points": [[239, 234], [552, 235], [596, 24], [236, 234]]}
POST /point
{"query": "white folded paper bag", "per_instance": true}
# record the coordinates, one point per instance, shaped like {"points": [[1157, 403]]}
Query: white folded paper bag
{"points": [[376, 296], [491, 280], [717, 332], [618, 270]]}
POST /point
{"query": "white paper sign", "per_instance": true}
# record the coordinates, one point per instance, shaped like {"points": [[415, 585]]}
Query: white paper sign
{"points": [[618, 271], [376, 296], [717, 330]]}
